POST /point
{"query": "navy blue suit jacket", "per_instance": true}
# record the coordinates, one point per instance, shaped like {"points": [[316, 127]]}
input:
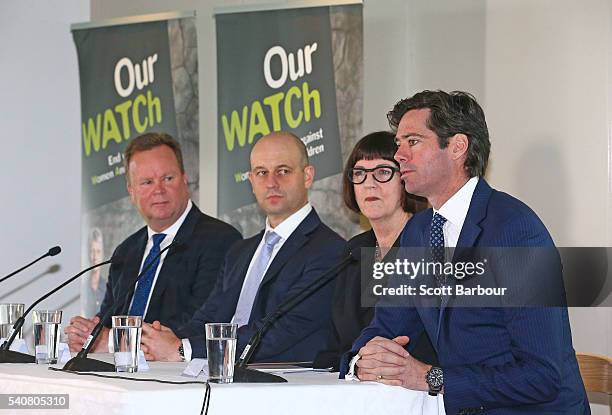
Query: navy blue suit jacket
{"points": [[498, 360], [187, 275], [312, 249]]}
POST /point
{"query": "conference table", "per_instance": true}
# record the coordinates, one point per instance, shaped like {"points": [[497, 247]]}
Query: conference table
{"points": [[306, 392]]}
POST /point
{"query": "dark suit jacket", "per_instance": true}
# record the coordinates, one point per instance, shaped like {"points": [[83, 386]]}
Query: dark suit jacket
{"points": [[350, 316], [187, 275], [514, 360], [312, 249]]}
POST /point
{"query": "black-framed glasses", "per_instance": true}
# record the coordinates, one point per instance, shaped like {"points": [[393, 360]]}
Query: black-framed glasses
{"points": [[382, 174]]}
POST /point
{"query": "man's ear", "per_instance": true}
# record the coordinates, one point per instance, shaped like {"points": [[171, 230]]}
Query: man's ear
{"points": [[251, 181], [309, 174], [458, 145], [130, 190]]}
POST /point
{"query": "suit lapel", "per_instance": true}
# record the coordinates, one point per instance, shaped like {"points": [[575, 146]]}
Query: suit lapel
{"points": [[130, 272], [237, 276], [469, 233], [291, 247], [287, 251], [173, 259], [476, 213]]}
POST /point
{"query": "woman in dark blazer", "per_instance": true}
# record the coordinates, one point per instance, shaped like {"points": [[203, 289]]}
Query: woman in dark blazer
{"points": [[371, 187]]}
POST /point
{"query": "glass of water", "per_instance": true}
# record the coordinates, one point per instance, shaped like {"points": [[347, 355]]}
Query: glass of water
{"points": [[221, 350], [9, 313], [126, 342], [47, 329]]}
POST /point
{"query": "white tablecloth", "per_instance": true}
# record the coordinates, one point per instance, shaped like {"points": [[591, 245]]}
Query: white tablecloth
{"points": [[305, 393]]}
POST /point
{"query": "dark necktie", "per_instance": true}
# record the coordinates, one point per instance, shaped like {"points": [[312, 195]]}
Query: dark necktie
{"points": [[436, 240], [141, 295]]}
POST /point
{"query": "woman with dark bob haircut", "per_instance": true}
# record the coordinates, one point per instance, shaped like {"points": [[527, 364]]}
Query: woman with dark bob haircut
{"points": [[371, 187]]}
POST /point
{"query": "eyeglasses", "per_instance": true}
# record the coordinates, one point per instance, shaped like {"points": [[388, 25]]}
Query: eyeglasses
{"points": [[382, 174]]}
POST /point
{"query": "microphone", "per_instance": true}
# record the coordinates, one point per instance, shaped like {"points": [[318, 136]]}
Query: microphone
{"points": [[51, 252], [9, 356], [82, 363], [244, 375]]}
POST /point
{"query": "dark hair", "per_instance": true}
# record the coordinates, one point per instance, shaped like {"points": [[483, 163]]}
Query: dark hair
{"points": [[377, 145], [451, 113], [149, 141]]}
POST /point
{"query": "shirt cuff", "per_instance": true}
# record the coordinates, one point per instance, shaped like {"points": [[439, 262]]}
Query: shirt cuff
{"points": [[350, 375], [186, 349]]}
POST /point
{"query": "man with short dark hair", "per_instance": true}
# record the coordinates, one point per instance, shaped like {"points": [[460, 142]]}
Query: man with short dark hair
{"points": [[259, 273], [495, 360], [182, 278]]}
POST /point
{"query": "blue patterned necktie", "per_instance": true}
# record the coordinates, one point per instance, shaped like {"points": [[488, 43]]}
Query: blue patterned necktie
{"points": [[141, 295], [253, 279], [436, 241]]}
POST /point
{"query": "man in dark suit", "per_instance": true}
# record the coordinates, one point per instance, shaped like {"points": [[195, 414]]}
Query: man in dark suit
{"points": [[495, 360], [182, 278], [260, 272]]}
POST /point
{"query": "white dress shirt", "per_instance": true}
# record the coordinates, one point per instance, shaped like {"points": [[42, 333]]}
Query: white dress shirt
{"points": [[455, 211], [284, 230], [170, 232]]}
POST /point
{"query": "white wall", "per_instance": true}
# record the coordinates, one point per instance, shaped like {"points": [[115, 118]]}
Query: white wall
{"points": [[40, 118], [547, 94]]}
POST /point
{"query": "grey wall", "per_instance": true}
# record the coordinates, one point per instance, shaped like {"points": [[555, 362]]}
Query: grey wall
{"points": [[40, 119]]}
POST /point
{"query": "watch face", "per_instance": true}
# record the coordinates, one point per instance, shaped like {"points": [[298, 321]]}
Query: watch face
{"points": [[435, 377]]}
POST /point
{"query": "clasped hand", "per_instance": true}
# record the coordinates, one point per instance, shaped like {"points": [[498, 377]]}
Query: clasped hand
{"points": [[159, 342], [386, 361]]}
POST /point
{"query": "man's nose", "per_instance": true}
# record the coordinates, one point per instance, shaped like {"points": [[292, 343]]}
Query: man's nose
{"points": [[160, 186], [402, 153], [271, 181]]}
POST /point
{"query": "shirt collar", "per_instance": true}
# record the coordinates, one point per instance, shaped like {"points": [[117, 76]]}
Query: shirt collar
{"points": [[456, 208], [172, 229], [286, 227]]}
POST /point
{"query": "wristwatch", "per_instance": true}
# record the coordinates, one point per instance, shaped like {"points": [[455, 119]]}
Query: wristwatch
{"points": [[435, 380], [181, 352]]}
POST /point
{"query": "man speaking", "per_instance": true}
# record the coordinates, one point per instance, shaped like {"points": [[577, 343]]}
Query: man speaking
{"points": [[514, 360]]}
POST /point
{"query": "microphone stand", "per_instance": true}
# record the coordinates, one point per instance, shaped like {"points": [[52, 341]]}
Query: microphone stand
{"points": [[82, 363], [10, 356], [244, 375], [52, 252]]}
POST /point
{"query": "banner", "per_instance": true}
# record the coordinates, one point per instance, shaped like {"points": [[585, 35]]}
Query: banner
{"points": [[135, 78], [276, 71]]}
